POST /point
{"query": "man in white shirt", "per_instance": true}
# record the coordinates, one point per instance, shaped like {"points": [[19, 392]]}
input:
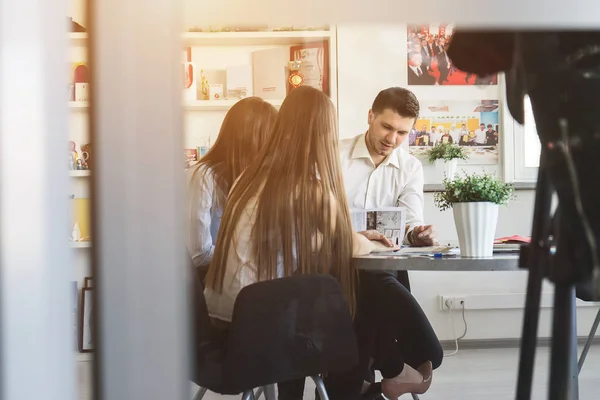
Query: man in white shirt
{"points": [[480, 135], [378, 173], [434, 136]]}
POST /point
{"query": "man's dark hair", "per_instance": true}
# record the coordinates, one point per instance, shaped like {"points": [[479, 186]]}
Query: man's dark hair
{"points": [[432, 126], [490, 126], [397, 99]]}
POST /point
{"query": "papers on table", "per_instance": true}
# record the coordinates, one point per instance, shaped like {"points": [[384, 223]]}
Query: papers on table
{"points": [[430, 251]]}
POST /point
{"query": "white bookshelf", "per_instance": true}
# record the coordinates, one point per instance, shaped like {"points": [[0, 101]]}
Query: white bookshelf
{"points": [[235, 38], [79, 105], [276, 38], [83, 357], [80, 245], [238, 43], [78, 39], [217, 105], [80, 173]]}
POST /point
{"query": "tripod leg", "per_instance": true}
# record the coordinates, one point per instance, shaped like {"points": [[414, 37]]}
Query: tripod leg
{"points": [[529, 335], [589, 341], [563, 364], [534, 257], [574, 364]]}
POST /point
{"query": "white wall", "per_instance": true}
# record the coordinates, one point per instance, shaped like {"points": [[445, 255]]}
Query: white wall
{"points": [[373, 57]]}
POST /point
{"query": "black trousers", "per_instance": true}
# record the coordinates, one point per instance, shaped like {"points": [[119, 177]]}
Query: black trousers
{"points": [[391, 330]]}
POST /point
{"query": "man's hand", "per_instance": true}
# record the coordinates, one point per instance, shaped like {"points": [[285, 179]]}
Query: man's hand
{"points": [[423, 235], [375, 235]]}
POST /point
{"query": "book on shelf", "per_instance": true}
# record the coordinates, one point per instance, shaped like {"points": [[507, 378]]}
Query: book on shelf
{"points": [[270, 73], [390, 221]]}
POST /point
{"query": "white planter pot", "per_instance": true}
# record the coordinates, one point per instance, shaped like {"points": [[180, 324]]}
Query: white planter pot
{"points": [[476, 227], [446, 169]]}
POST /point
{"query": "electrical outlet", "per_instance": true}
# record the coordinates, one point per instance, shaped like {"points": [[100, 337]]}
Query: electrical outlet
{"points": [[455, 302]]}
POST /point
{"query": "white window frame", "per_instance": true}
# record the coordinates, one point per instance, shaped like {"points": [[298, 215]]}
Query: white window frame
{"points": [[513, 144], [522, 173]]}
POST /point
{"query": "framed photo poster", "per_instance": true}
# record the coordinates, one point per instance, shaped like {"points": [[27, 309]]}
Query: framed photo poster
{"points": [[314, 64], [86, 331], [428, 62], [472, 125]]}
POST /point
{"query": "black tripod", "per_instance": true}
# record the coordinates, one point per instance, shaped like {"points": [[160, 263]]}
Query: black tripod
{"points": [[539, 257]]}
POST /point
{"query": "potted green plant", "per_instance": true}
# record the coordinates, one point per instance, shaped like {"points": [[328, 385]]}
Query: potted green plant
{"points": [[445, 157], [475, 200]]}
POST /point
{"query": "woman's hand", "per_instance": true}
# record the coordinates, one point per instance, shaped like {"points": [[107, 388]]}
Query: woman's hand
{"points": [[377, 236], [361, 245]]}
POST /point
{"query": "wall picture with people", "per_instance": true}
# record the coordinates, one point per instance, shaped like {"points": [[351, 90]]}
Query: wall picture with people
{"points": [[471, 124], [428, 62]]}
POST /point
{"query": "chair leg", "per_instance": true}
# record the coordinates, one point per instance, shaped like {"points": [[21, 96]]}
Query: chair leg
{"points": [[589, 341], [248, 395], [269, 391], [414, 396], [258, 393], [320, 387], [200, 393]]}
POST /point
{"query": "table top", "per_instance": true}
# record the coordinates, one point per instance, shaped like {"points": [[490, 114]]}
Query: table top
{"points": [[374, 262]]}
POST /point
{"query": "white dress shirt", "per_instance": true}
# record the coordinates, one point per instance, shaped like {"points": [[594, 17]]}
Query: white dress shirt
{"points": [[417, 70], [480, 136], [396, 182], [205, 216], [434, 137]]}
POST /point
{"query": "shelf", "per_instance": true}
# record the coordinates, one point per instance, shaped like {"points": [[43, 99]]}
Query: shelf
{"points": [[79, 105], [83, 357], [81, 245], [78, 38], [253, 38], [197, 105], [234, 38], [217, 105], [80, 173]]}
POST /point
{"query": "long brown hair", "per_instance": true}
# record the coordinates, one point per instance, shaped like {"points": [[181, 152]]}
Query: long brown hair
{"points": [[243, 134], [294, 180]]}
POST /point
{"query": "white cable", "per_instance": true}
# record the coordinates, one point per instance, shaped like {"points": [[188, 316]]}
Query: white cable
{"points": [[464, 321], [453, 329]]}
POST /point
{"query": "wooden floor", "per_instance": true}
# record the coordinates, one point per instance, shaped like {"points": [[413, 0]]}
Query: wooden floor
{"points": [[488, 374]]}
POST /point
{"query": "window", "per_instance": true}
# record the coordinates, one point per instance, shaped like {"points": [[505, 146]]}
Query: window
{"points": [[527, 147]]}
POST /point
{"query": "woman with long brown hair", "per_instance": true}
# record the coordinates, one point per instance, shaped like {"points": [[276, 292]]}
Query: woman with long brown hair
{"points": [[287, 213], [243, 133]]}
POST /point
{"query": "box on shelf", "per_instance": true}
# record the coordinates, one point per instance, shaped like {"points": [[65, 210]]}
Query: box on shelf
{"points": [[270, 72], [211, 77], [215, 91], [81, 81], [239, 81]]}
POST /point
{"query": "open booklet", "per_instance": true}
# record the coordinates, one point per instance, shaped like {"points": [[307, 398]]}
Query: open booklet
{"points": [[390, 221]]}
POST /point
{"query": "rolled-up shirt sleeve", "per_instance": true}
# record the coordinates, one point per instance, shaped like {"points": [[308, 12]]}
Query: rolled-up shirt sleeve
{"points": [[412, 199]]}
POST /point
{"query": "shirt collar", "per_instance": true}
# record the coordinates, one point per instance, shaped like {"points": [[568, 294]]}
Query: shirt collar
{"points": [[361, 151]]}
